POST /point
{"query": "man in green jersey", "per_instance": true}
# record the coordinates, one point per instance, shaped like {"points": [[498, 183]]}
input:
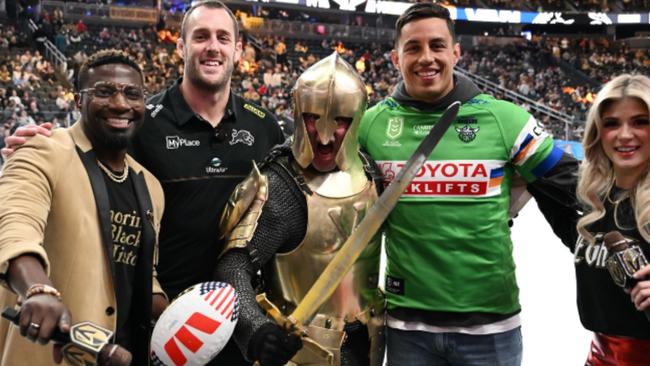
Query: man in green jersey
{"points": [[451, 288]]}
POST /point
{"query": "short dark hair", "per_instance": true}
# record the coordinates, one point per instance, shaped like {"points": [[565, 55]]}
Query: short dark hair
{"points": [[105, 57], [421, 11], [210, 4]]}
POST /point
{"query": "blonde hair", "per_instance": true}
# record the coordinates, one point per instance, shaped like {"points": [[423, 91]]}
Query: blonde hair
{"points": [[596, 176]]}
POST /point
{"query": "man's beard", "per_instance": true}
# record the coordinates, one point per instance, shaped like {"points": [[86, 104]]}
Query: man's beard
{"points": [[112, 140], [195, 78], [116, 141]]}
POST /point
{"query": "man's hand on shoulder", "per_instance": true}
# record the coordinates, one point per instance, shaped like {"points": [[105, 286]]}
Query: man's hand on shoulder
{"points": [[21, 136]]}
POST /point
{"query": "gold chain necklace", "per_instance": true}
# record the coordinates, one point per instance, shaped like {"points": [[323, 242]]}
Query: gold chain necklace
{"points": [[114, 177], [615, 205], [618, 200]]}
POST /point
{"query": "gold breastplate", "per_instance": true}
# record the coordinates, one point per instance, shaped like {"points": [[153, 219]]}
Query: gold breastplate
{"points": [[330, 222]]}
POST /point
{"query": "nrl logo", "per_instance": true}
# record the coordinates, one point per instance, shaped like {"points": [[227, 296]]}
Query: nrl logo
{"points": [[466, 133], [395, 127]]}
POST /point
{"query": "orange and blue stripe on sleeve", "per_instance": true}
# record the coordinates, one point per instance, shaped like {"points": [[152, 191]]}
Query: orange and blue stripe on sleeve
{"points": [[496, 177], [524, 149]]}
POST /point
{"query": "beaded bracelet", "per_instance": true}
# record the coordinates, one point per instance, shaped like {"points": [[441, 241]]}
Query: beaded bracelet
{"points": [[39, 288]]}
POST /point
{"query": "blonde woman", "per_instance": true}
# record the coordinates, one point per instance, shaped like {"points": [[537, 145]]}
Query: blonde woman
{"points": [[614, 189]]}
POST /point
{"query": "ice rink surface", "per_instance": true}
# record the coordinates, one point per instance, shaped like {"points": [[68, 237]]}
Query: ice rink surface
{"points": [[552, 333]]}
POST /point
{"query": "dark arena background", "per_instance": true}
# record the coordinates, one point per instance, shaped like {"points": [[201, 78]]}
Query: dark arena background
{"points": [[550, 56]]}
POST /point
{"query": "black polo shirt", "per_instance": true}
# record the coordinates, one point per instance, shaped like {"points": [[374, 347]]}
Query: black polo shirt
{"points": [[198, 166]]}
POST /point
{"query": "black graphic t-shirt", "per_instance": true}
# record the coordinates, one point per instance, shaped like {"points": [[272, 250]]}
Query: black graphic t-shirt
{"points": [[126, 232], [604, 307]]}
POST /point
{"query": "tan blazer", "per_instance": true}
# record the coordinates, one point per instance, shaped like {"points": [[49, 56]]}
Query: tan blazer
{"points": [[49, 207]]}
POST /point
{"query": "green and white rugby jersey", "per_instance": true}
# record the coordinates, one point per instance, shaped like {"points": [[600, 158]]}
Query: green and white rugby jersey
{"points": [[448, 240]]}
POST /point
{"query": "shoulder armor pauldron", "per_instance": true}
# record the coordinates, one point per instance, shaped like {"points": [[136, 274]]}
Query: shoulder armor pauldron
{"points": [[243, 209]]}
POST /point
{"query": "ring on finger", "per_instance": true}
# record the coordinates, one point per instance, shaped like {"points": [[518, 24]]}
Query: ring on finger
{"points": [[34, 325]]}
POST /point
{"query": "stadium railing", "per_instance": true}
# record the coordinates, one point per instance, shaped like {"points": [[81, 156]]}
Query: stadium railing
{"points": [[488, 86], [52, 53]]}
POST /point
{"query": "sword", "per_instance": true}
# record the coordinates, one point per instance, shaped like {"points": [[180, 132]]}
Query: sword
{"points": [[333, 274]]}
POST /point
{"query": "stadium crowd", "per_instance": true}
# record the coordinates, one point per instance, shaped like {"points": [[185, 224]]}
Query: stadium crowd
{"points": [[31, 91]]}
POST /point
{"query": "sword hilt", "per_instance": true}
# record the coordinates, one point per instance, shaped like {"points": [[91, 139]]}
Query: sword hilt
{"points": [[291, 325]]}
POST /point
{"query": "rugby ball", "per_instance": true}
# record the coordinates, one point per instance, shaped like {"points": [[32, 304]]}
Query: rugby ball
{"points": [[196, 325]]}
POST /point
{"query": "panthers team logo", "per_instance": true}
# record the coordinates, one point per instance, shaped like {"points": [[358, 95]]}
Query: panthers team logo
{"points": [[241, 136], [395, 127], [467, 133]]}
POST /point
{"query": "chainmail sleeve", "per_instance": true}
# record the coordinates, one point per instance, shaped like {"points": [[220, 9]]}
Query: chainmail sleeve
{"points": [[281, 227]]}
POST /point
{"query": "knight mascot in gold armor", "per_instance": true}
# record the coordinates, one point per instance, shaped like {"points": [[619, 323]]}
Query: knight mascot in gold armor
{"points": [[289, 218]]}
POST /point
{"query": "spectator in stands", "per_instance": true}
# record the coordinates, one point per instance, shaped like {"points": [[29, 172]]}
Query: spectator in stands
{"points": [[5, 75], [81, 27], [104, 35], [281, 51], [277, 76], [47, 72], [268, 73], [3, 98], [34, 108], [25, 119], [57, 18], [249, 53], [21, 80], [25, 58], [307, 61], [13, 97], [61, 42], [62, 102], [300, 48], [74, 36]]}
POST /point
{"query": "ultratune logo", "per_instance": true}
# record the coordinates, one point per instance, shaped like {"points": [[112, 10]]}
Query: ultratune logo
{"points": [[175, 142], [215, 170], [242, 136]]}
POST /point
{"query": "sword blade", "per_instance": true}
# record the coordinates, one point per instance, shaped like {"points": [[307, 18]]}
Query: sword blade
{"points": [[333, 274]]}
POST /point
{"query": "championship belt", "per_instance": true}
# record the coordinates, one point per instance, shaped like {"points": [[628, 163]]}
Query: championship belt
{"points": [[81, 347]]}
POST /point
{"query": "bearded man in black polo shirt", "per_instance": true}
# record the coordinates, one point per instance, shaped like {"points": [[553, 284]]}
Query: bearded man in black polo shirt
{"points": [[200, 139]]}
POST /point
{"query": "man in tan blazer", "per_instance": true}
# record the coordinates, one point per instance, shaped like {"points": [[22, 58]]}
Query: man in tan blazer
{"points": [[79, 220]]}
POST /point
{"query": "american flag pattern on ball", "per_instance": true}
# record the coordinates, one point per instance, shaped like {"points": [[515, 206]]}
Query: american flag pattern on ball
{"points": [[222, 297], [195, 326]]}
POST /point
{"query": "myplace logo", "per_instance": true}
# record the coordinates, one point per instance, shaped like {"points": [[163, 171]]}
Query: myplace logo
{"points": [[175, 142]]}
